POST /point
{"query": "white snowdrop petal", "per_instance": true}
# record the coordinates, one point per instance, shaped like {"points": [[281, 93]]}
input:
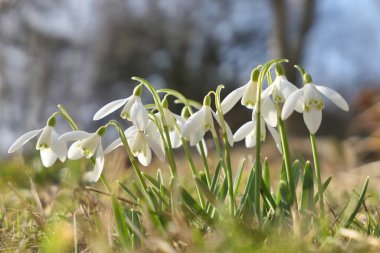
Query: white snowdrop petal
{"points": [[75, 152], [269, 112], [334, 96], [45, 138], [146, 158], [175, 139], [276, 137], [228, 129], [291, 103], [192, 123], [244, 130], [313, 119], [23, 139], [59, 147], [139, 116], [250, 140], [109, 108], [268, 91], [48, 157], [74, 136], [157, 146], [197, 136], [115, 144], [287, 88], [231, 99], [130, 132], [93, 176]]}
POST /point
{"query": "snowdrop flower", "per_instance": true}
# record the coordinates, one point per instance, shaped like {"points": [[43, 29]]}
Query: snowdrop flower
{"points": [[248, 132], [126, 102], [246, 93], [47, 143], [142, 142], [172, 120], [202, 121], [142, 137], [87, 145], [281, 88], [309, 101]]}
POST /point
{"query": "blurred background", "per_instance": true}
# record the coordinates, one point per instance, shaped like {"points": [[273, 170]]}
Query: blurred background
{"points": [[82, 54]]}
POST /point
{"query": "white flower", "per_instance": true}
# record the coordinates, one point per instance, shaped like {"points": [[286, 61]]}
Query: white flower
{"points": [[48, 144], [280, 89], [86, 145], [199, 123], [172, 120], [309, 101], [246, 93], [248, 132], [141, 143], [126, 102]]}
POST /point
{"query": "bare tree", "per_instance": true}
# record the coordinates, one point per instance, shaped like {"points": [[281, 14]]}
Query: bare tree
{"points": [[289, 38]]}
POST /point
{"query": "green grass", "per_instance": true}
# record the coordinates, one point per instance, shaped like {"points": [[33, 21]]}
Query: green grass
{"points": [[43, 219]]}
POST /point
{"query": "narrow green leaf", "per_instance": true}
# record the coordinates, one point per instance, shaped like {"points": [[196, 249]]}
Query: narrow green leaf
{"points": [[268, 196], [121, 225], [296, 167], [358, 204], [128, 191], [307, 195], [324, 188], [204, 189], [156, 184], [266, 175], [238, 177], [214, 183], [194, 207]]}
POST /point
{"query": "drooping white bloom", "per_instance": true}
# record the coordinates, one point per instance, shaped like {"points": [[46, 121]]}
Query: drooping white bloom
{"points": [[142, 142], [248, 132], [173, 120], [86, 145], [308, 100], [48, 144], [199, 123], [280, 89], [126, 102], [246, 93]]}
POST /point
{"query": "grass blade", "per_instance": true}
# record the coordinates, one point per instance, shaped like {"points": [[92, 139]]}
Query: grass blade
{"points": [[358, 204]]}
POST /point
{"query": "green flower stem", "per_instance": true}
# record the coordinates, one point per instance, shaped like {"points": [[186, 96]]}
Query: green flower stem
{"points": [[286, 156], [227, 152], [75, 127], [157, 101], [257, 180], [317, 173], [192, 167], [133, 160], [205, 164], [67, 116], [256, 195]]}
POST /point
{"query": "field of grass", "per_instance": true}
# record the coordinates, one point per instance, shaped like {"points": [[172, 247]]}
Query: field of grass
{"points": [[50, 210]]}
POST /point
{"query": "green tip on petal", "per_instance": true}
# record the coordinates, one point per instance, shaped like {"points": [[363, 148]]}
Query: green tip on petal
{"points": [[138, 90], [307, 78], [207, 100], [255, 74], [101, 131], [279, 70], [52, 121]]}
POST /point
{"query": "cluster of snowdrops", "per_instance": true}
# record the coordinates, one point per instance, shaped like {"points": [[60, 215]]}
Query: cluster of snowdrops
{"points": [[155, 129]]}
